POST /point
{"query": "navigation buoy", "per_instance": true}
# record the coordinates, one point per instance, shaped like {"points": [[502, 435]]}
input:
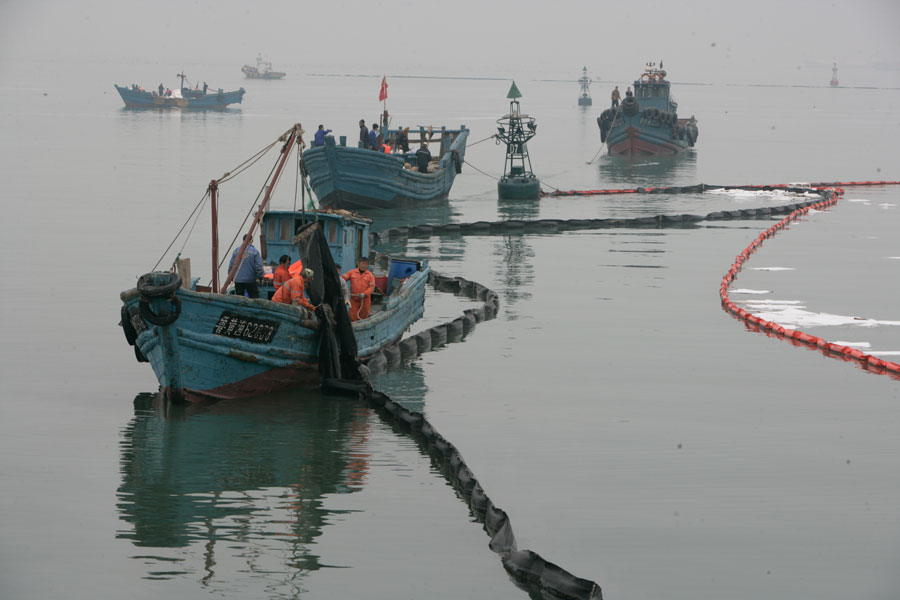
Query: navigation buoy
{"points": [[585, 82], [834, 79], [515, 129]]}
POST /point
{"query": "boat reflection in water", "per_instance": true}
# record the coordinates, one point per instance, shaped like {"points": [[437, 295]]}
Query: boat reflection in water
{"points": [[238, 487], [647, 171]]}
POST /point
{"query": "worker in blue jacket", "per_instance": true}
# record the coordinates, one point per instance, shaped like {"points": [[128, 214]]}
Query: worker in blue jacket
{"points": [[320, 136], [423, 157], [249, 272], [375, 140]]}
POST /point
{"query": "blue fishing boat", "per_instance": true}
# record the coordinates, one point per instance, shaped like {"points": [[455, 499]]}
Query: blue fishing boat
{"points": [[342, 176], [207, 342], [136, 96], [647, 122]]}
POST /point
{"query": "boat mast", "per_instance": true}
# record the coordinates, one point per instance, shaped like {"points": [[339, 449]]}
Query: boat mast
{"points": [[213, 188], [296, 136]]}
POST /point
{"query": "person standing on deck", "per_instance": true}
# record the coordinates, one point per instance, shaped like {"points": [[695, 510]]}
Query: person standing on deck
{"points": [[363, 135], [616, 97], [375, 139], [362, 284], [292, 292], [161, 89], [423, 157], [250, 270], [403, 139], [281, 273], [320, 136]]}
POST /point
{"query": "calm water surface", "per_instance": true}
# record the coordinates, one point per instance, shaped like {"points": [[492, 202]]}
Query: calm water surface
{"points": [[635, 433]]}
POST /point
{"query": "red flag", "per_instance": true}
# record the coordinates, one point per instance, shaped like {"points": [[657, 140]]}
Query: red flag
{"points": [[382, 95]]}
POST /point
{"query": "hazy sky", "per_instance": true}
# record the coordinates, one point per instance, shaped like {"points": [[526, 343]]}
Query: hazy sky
{"points": [[754, 40]]}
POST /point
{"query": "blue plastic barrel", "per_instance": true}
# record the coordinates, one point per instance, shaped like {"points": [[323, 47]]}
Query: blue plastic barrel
{"points": [[400, 269]]}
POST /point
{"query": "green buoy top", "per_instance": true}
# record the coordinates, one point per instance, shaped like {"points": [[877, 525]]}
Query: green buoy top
{"points": [[514, 92]]}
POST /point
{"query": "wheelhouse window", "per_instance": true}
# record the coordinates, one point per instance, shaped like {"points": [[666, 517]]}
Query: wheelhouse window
{"points": [[285, 233]]}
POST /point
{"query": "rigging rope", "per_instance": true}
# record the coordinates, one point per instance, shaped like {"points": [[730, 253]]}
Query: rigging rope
{"points": [[618, 108], [188, 220], [480, 171]]}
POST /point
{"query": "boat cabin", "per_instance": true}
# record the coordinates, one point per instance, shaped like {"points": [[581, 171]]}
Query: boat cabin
{"points": [[347, 234], [654, 90]]}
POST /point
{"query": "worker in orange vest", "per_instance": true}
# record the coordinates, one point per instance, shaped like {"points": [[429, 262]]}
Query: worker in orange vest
{"points": [[292, 291], [281, 273], [362, 284]]}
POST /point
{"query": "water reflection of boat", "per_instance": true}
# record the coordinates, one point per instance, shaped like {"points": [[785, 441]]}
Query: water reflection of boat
{"points": [[647, 121], [230, 481], [642, 171]]}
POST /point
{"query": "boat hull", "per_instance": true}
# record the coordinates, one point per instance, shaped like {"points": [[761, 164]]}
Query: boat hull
{"points": [[142, 99], [226, 346], [355, 178]]}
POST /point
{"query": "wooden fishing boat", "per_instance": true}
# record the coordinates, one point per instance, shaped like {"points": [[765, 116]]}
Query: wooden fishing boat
{"points": [[184, 97], [342, 176], [647, 122], [204, 342]]}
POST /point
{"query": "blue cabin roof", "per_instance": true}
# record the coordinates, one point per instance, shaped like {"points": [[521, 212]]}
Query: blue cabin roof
{"points": [[347, 234]]}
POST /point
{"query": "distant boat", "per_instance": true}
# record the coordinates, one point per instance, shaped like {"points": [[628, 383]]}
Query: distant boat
{"points": [[647, 122], [834, 79], [262, 70], [351, 177], [136, 96], [204, 343]]}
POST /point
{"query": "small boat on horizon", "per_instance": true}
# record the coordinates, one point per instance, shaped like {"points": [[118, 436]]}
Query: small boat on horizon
{"points": [[646, 122], [262, 70], [206, 342], [354, 177], [184, 96]]}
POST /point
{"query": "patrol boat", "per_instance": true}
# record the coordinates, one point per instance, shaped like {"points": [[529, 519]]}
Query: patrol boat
{"points": [[646, 122], [262, 70], [205, 342], [354, 177]]}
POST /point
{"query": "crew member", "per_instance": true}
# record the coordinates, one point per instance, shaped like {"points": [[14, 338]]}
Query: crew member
{"points": [[403, 139], [374, 142], [363, 134], [320, 136], [161, 89], [423, 157], [281, 273], [362, 284], [616, 97], [249, 271], [292, 291]]}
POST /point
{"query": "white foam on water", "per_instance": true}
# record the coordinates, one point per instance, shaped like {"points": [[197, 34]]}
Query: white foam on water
{"points": [[798, 317], [887, 205], [860, 200], [772, 269], [885, 352], [766, 303], [854, 344], [743, 291], [892, 257]]}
